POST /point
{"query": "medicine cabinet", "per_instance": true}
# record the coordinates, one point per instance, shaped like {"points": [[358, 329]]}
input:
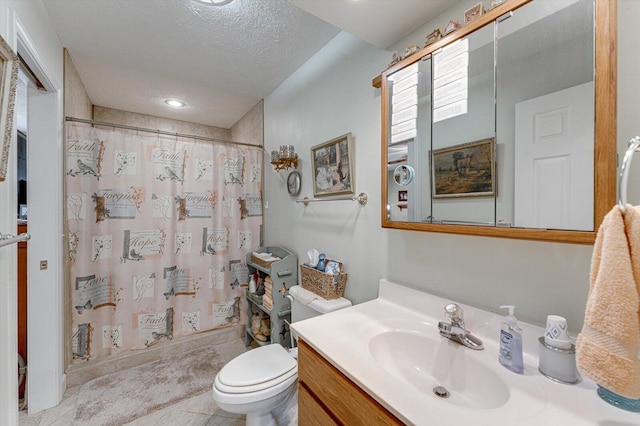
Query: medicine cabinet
{"points": [[506, 126]]}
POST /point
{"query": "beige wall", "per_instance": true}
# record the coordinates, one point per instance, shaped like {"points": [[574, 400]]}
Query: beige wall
{"points": [[76, 104], [126, 118], [250, 128], [76, 100]]}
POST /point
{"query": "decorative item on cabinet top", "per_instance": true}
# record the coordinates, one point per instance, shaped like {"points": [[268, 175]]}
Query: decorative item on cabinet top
{"points": [[473, 12], [451, 26], [284, 158], [438, 38], [433, 37]]}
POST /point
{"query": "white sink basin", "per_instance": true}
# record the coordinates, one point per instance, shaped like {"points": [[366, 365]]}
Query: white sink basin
{"points": [[423, 359]]}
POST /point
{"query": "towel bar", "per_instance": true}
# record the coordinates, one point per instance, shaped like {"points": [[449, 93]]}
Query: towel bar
{"points": [[624, 172], [6, 239], [360, 198]]}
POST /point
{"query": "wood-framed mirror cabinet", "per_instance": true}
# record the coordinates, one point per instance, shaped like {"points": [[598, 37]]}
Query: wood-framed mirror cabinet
{"points": [[604, 130]]}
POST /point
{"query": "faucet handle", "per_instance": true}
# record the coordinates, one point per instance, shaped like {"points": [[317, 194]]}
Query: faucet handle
{"points": [[454, 312]]}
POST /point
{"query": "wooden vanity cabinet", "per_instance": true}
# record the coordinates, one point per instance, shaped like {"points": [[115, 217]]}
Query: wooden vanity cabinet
{"points": [[328, 397]]}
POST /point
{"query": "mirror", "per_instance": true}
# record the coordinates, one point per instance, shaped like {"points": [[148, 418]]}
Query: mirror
{"points": [[506, 124], [403, 175]]}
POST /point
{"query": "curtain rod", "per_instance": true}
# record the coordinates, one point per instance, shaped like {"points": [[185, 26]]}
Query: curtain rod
{"points": [[158, 131]]}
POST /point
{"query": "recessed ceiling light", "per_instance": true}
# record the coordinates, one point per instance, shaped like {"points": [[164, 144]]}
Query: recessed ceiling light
{"points": [[174, 103], [214, 2]]}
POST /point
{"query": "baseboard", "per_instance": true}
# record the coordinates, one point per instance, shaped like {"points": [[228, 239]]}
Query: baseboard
{"points": [[63, 386], [79, 374]]}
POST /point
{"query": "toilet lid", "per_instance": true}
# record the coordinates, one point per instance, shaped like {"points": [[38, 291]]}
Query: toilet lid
{"points": [[258, 368]]}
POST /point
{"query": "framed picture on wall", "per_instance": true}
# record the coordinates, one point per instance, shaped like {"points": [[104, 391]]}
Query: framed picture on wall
{"points": [[402, 196], [466, 170], [333, 165]]}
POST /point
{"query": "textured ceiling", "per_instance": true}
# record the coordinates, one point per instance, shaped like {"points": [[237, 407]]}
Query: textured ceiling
{"points": [[381, 23], [133, 54]]}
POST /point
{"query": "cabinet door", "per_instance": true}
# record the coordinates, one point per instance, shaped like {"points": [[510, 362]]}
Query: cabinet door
{"points": [[346, 402], [463, 139], [545, 115], [310, 412]]}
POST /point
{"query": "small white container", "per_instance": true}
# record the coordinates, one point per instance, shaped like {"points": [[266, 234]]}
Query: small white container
{"points": [[558, 364]]}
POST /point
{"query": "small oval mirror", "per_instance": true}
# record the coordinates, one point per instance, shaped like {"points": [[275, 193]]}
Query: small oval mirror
{"points": [[403, 175]]}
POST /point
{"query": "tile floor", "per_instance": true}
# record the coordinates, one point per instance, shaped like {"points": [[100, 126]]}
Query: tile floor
{"points": [[199, 410]]}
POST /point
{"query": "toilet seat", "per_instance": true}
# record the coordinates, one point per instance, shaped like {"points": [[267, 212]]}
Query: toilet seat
{"points": [[256, 370]]}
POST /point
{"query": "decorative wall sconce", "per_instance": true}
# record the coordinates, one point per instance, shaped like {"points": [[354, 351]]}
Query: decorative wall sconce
{"points": [[284, 158]]}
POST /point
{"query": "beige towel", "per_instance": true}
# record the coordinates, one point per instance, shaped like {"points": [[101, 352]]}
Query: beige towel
{"points": [[267, 301], [607, 347]]}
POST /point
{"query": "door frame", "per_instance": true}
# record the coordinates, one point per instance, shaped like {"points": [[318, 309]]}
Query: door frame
{"points": [[45, 369]]}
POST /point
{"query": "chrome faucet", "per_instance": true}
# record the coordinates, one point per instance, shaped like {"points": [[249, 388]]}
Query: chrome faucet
{"points": [[456, 330]]}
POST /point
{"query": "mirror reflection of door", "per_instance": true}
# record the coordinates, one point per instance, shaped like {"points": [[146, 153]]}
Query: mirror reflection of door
{"points": [[545, 120], [554, 160]]}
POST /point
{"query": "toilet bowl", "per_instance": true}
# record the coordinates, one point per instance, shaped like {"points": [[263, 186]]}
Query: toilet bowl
{"points": [[263, 382]]}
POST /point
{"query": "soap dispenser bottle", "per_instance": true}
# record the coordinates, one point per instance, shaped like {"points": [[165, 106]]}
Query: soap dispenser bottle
{"points": [[511, 343]]}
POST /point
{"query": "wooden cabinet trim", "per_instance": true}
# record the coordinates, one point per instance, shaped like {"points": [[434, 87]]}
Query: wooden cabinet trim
{"points": [[345, 400]]}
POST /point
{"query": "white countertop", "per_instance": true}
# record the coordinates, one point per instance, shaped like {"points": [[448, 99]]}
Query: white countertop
{"points": [[342, 337]]}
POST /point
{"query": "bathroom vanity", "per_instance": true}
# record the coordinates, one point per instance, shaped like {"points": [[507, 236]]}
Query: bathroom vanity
{"points": [[384, 362]]}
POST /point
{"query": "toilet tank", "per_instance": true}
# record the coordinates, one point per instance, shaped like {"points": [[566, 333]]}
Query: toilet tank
{"points": [[305, 304]]}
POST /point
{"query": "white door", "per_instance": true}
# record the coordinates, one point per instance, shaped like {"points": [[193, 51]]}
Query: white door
{"points": [[554, 150]]}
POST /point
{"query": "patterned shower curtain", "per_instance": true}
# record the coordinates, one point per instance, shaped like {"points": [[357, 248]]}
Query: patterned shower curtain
{"points": [[158, 229]]}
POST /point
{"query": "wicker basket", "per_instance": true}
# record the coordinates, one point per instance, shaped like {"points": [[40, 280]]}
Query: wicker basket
{"points": [[325, 285], [255, 259]]}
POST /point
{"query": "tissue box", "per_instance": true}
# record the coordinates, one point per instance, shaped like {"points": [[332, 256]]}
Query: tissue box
{"points": [[325, 285]]}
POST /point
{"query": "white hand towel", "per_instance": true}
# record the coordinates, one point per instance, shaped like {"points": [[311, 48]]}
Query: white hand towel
{"points": [[305, 296]]}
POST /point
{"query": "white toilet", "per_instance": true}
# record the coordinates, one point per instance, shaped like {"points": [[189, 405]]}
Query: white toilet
{"points": [[263, 383]]}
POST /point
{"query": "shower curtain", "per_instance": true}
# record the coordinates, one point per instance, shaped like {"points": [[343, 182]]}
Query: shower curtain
{"points": [[158, 229]]}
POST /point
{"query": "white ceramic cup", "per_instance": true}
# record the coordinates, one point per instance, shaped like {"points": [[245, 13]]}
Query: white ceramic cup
{"points": [[557, 332]]}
